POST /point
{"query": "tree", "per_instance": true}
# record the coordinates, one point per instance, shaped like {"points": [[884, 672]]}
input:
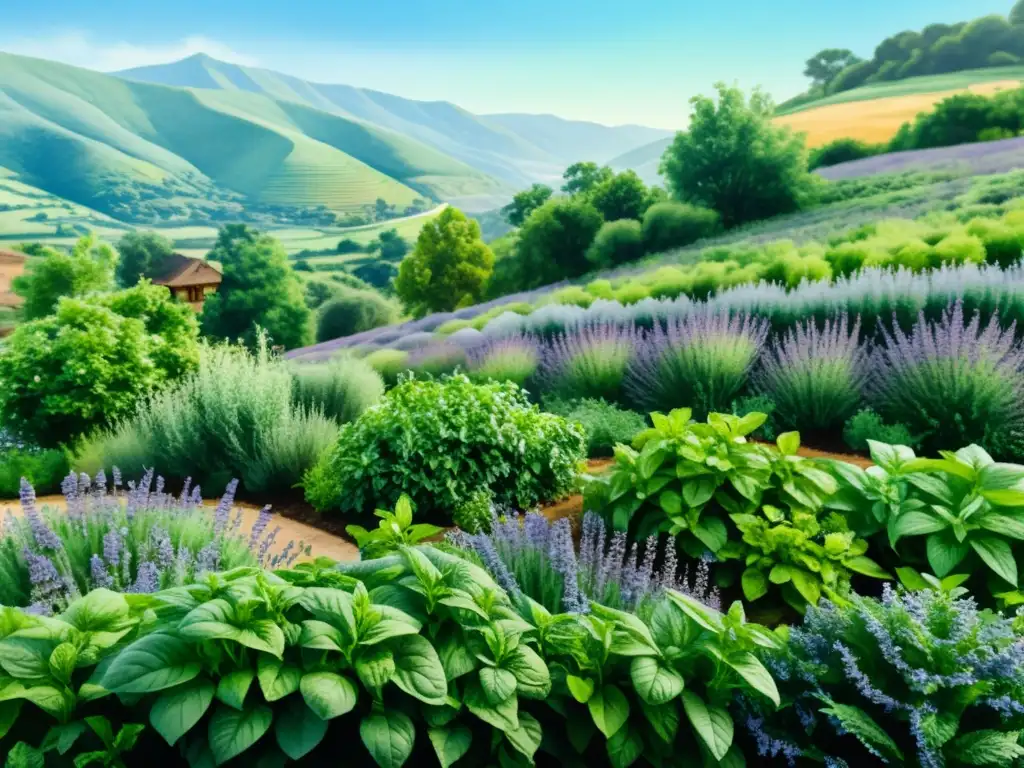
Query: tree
{"points": [[617, 242], [735, 161], [379, 274], [581, 178], [448, 267], [623, 196], [554, 241], [823, 66], [348, 245], [389, 245], [87, 269], [353, 313], [141, 253], [92, 362], [258, 290], [1017, 13], [675, 225], [526, 202]]}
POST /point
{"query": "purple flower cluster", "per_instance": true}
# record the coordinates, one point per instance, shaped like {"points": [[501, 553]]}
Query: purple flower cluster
{"points": [[512, 358], [701, 360], [437, 359], [590, 361]]}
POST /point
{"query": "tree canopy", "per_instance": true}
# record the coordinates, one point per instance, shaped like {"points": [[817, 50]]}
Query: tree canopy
{"points": [[89, 268], [553, 242], [623, 196], [824, 66], [141, 253], [735, 161], [258, 290], [526, 202], [581, 178], [448, 267]]}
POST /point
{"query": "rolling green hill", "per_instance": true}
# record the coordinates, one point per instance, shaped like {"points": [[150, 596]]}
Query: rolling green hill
{"points": [[98, 140], [644, 160], [518, 149]]}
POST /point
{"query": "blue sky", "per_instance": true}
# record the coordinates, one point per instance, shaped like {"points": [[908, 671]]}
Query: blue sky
{"points": [[611, 61]]}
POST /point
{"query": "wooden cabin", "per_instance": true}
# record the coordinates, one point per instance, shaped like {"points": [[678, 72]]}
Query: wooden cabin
{"points": [[188, 279]]}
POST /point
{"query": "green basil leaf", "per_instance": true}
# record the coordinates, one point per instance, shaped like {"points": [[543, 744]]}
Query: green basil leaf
{"points": [[418, 669], [625, 747], [713, 725], [374, 666], [754, 583], [581, 688], [504, 716], [152, 663], [233, 687], [232, 732], [175, 712], [653, 681], [450, 744], [916, 524], [663, 719], [298, 730], [998, 556], [944, 552], [277, 678], [328, 695], [609, 709], [526, 738], [388, 736], [753, 671], [498, 684], [533, 680]]}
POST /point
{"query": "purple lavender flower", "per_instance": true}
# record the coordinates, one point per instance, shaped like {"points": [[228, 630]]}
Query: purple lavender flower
{"points": [[589, 362], [512, 358], [161, 547], [208, 558], [47, 586], [563, 561], [262, 521], [44, 537], [701, 360], [117, 479], [436, 359], [220, 515], [484, 547], [99, 574], [112, 545], [267, 543], [147, 579]]}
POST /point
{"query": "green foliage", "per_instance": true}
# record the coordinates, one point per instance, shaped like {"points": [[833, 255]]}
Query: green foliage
{"points": [[958, 513], [353, 313], [623, 196], [671, 225], [389, 246], [909, 678], [44, 469], [553, 242], [867, 425], [616, 242], [961, 119], [141, 254], [258, 290], [734, 161], [348, 245], [93, 362], [395, 530], [842, 151], [760, 511], [475, 513], [583, 177], [233, 418], [89, 268], [526, 202], [824, 66], [605, 425], [448, 267], [341, 389], [389, 363], [438, 441], [748, 404]]}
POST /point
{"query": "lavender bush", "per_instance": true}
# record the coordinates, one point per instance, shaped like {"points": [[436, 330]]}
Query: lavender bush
{"points": [[953, 382], [589, 362], [919, 679], [437, 359], [514, 358], [700, 361], [530, 555], [130, 539], [815, 375]]}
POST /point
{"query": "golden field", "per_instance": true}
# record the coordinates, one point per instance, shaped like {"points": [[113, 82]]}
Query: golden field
{"points": [[877, 120]]}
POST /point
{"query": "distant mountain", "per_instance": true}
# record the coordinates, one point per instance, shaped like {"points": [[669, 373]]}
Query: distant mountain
{"points": [[106, 142], [644, 160], [518, 149]]}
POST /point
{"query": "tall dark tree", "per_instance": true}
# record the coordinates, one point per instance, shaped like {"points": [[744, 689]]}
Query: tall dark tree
{"points": [[823, 66], [141, 253], [624, 196], [526, 202], [581, 178], [258, 290], [554, 241]]}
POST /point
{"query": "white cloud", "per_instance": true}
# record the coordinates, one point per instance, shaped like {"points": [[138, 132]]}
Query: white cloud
{"points": [[111, 56]]}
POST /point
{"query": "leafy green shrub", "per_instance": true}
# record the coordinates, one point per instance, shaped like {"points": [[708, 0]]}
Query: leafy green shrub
{"points": [[867, 425], [601, 289], [616, 242], [234, 417], [960, 248], [389, 363], [475, 513], [440, 440], [574, 295], [675, 225], [93, 362], [44, 469], [353, 313], [631, 293], [748, 404], [437, 359], [588, 362], [513, 358], [341, 389], [759, 511], [842, 151], [604, 424], [916, 678], [136, 540], [953, 514]]}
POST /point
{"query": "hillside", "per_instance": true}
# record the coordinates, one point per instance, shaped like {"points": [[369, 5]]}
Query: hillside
{"points": [[644, 160], [104, 142], [519, 149]]}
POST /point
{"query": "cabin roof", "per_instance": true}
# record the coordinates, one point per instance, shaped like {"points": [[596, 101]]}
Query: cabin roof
{"points": [[180, 271]]}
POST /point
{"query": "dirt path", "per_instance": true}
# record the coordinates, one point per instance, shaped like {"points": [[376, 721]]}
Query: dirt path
{"points": [[321, 543]]}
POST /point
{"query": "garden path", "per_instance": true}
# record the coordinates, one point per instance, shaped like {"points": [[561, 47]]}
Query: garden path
{"points": [[321, 543]]}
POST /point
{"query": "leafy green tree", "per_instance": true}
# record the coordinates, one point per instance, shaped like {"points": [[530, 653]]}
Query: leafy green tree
{"points": [[141, 253], [623, 196], [89, 268], [735, 161], [258, 290], [448, 267], [348, 245], [1017, 13], [93, 362], [526, 202], [379, 274], [823, 66], [554, 241], [674, 225], [353, 313], [581, 178], [389, 245], [617, 242]]}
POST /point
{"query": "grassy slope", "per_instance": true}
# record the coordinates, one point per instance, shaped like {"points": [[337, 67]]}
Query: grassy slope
{"points": [[71, 131], [516, 148]]}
